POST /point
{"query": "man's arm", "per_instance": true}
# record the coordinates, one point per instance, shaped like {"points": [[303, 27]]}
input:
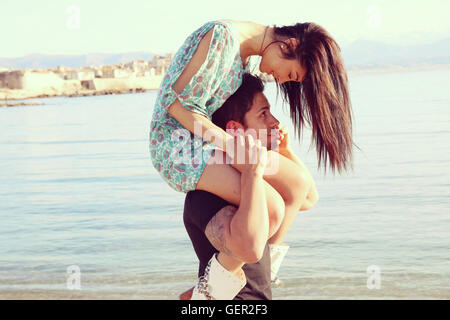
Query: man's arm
{"points": [[218, 231], [242, 236]]}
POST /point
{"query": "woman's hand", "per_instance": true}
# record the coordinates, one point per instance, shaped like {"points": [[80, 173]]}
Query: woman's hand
{"points": [[283, 140]]}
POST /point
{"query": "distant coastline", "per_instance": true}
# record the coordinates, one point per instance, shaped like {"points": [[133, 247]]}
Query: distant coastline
{"points": [[41, 84], [43, 75], [113, 86], [352, 70], [117, 78]]}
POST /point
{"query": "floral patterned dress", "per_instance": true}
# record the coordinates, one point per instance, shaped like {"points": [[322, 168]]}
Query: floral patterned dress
{"points": [[177, 154]]}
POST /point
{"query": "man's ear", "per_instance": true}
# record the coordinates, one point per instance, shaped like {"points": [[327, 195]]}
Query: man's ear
{"points": [[234, 128]]}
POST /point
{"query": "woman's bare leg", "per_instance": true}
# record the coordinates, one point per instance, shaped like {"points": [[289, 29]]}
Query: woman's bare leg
{"points": [[225, 182], [293, 185]]}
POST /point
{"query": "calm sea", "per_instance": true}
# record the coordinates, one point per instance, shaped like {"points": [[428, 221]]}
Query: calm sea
{"points": [[77, 188]]}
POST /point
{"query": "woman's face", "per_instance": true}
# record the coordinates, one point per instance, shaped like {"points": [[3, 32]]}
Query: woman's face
{"points": [[273, 62]]}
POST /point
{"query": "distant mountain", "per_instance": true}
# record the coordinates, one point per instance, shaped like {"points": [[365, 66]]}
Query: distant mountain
{"points": [[359, 54], [40, 61], [364, 52]]}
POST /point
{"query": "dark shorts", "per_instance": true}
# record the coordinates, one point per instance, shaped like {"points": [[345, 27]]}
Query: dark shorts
{"points": [[199, 208]]}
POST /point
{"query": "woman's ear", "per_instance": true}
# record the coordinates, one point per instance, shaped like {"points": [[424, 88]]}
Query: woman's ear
{"points": [[292, 43]]}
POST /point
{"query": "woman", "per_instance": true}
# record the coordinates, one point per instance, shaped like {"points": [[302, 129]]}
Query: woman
{"points": [[308, 68]]}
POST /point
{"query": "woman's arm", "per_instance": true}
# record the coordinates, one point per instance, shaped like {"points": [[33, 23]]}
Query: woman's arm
{"points": [[200, 125], [192, 121]]}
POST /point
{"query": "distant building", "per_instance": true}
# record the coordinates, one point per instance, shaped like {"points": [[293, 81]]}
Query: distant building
{"points": [[61, 69], [161, 63], [114, 72], [79, 75], [98, 73], [29, 79], [137, 65], [86, 75], [11, 79], [137, 74]]}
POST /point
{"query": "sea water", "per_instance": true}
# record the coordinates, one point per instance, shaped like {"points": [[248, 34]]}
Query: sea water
{"points": [[83, 213]]}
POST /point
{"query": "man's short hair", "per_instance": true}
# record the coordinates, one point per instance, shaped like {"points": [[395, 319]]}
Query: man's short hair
{"points": [[238, 104]]}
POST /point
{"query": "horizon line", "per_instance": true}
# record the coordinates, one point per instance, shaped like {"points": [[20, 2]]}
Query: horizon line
{"points": [[421, 43]]}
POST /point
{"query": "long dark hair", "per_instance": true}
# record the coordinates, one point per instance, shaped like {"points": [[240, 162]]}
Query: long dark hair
{"points": [[322, 99]]}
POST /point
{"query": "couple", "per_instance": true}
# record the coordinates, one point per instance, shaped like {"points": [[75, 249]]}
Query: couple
{"points": [[206, 72], [235, 259]]}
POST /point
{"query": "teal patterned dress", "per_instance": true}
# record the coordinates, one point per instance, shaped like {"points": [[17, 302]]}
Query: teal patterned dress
{"points": [[177, 154]]}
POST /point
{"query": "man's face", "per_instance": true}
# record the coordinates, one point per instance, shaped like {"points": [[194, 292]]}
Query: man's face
{"points": [[259, 117]]}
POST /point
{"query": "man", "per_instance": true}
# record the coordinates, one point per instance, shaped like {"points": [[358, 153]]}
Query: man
{"points": [[207, 216]]}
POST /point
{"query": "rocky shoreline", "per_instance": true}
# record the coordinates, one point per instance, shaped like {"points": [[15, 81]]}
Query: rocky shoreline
{"points": [[20, 104], [7, 95], [14, 95]]}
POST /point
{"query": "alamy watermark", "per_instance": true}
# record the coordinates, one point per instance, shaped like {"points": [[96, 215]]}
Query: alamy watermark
{"points": [[373, 17], [73, 17], [73, 277], [373, 277], [189, 150]]}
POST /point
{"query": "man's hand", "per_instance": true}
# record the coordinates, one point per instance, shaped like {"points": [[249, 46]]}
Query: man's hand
{"points": [[249, 155], [256, 155]]}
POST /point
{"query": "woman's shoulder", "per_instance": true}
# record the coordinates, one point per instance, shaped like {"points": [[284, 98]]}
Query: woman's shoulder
{"points": [[224, 22], [223, 34], [225, 25]]}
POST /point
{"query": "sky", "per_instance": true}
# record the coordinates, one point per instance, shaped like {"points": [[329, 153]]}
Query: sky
{"points": [[97, 26]]}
